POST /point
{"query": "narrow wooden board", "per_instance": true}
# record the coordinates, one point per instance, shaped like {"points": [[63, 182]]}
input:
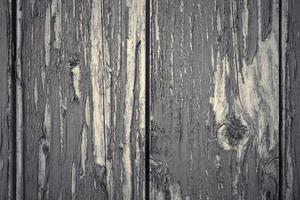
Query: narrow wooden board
{"points": [[82, 74], [290, 26], [6, 104], [214, 99]]}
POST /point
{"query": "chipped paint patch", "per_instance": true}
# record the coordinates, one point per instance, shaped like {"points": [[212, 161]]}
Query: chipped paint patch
{"points": [[35, 95], [76, 80], [56, 11], [219, 98], [83, 149], [73, 186], [62, 113], [87, 112], [47, 36], [96, 79]]}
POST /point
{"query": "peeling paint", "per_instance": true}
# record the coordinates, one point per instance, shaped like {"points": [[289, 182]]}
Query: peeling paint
{"points": [[96, 77], [73, 182], [47, 36], [76, 80]]}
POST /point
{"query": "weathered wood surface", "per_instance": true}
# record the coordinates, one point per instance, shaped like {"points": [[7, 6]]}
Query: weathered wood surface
{"points": [[214, 99], [82, 74], [290, 97], [6, 104], [76, 129]]}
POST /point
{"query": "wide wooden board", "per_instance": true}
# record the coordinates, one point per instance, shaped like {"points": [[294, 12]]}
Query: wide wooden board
{"points": [[214, 99], [81, 99]]}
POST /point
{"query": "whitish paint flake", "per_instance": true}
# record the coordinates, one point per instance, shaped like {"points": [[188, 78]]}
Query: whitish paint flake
{"points": [[76, 80], [96, 79], [35, 95], [43, 76], [259, 91], [156, 21], [181, 6], [73, 186], [83, 149], [87, 112], [172, 64], [47, 36], [191, 32], [142, 77], [47, 121], [62, 111], [219, 99], [245, 19], [131, 44], [219, 28], [74, 8], [56, 12]]}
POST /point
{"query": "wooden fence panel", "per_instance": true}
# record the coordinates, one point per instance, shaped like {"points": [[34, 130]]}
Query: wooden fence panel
{"points": [[82, 71], [214, 99], [223, 99]]}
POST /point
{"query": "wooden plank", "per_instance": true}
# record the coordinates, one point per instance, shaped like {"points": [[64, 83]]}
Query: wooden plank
{"points": [[83, 99], [6, 104], [290, 97], [214, 99]]}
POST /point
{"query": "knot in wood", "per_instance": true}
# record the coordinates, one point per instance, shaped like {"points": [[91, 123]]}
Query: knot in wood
{"points": [[232, 134]]}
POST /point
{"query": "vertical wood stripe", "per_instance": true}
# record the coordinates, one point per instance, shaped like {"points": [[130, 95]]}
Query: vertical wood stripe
{"points": [[6, 103], [291, 95]]}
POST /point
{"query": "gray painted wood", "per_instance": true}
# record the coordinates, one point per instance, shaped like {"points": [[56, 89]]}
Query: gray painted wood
{"points": [[82, 99], [80, 86], [291, 95], [214, 99], [6, 104]]}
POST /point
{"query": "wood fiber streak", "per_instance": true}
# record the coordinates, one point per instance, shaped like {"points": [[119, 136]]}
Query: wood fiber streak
{"points": [[6, 104], [83, 99], [214, 99], [291, 95]]}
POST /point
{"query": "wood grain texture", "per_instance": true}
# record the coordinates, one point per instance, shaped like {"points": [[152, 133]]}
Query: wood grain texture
{"points": [[6, 104], [83, 99], [290, 97], [214, 99], [72, 110]]}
